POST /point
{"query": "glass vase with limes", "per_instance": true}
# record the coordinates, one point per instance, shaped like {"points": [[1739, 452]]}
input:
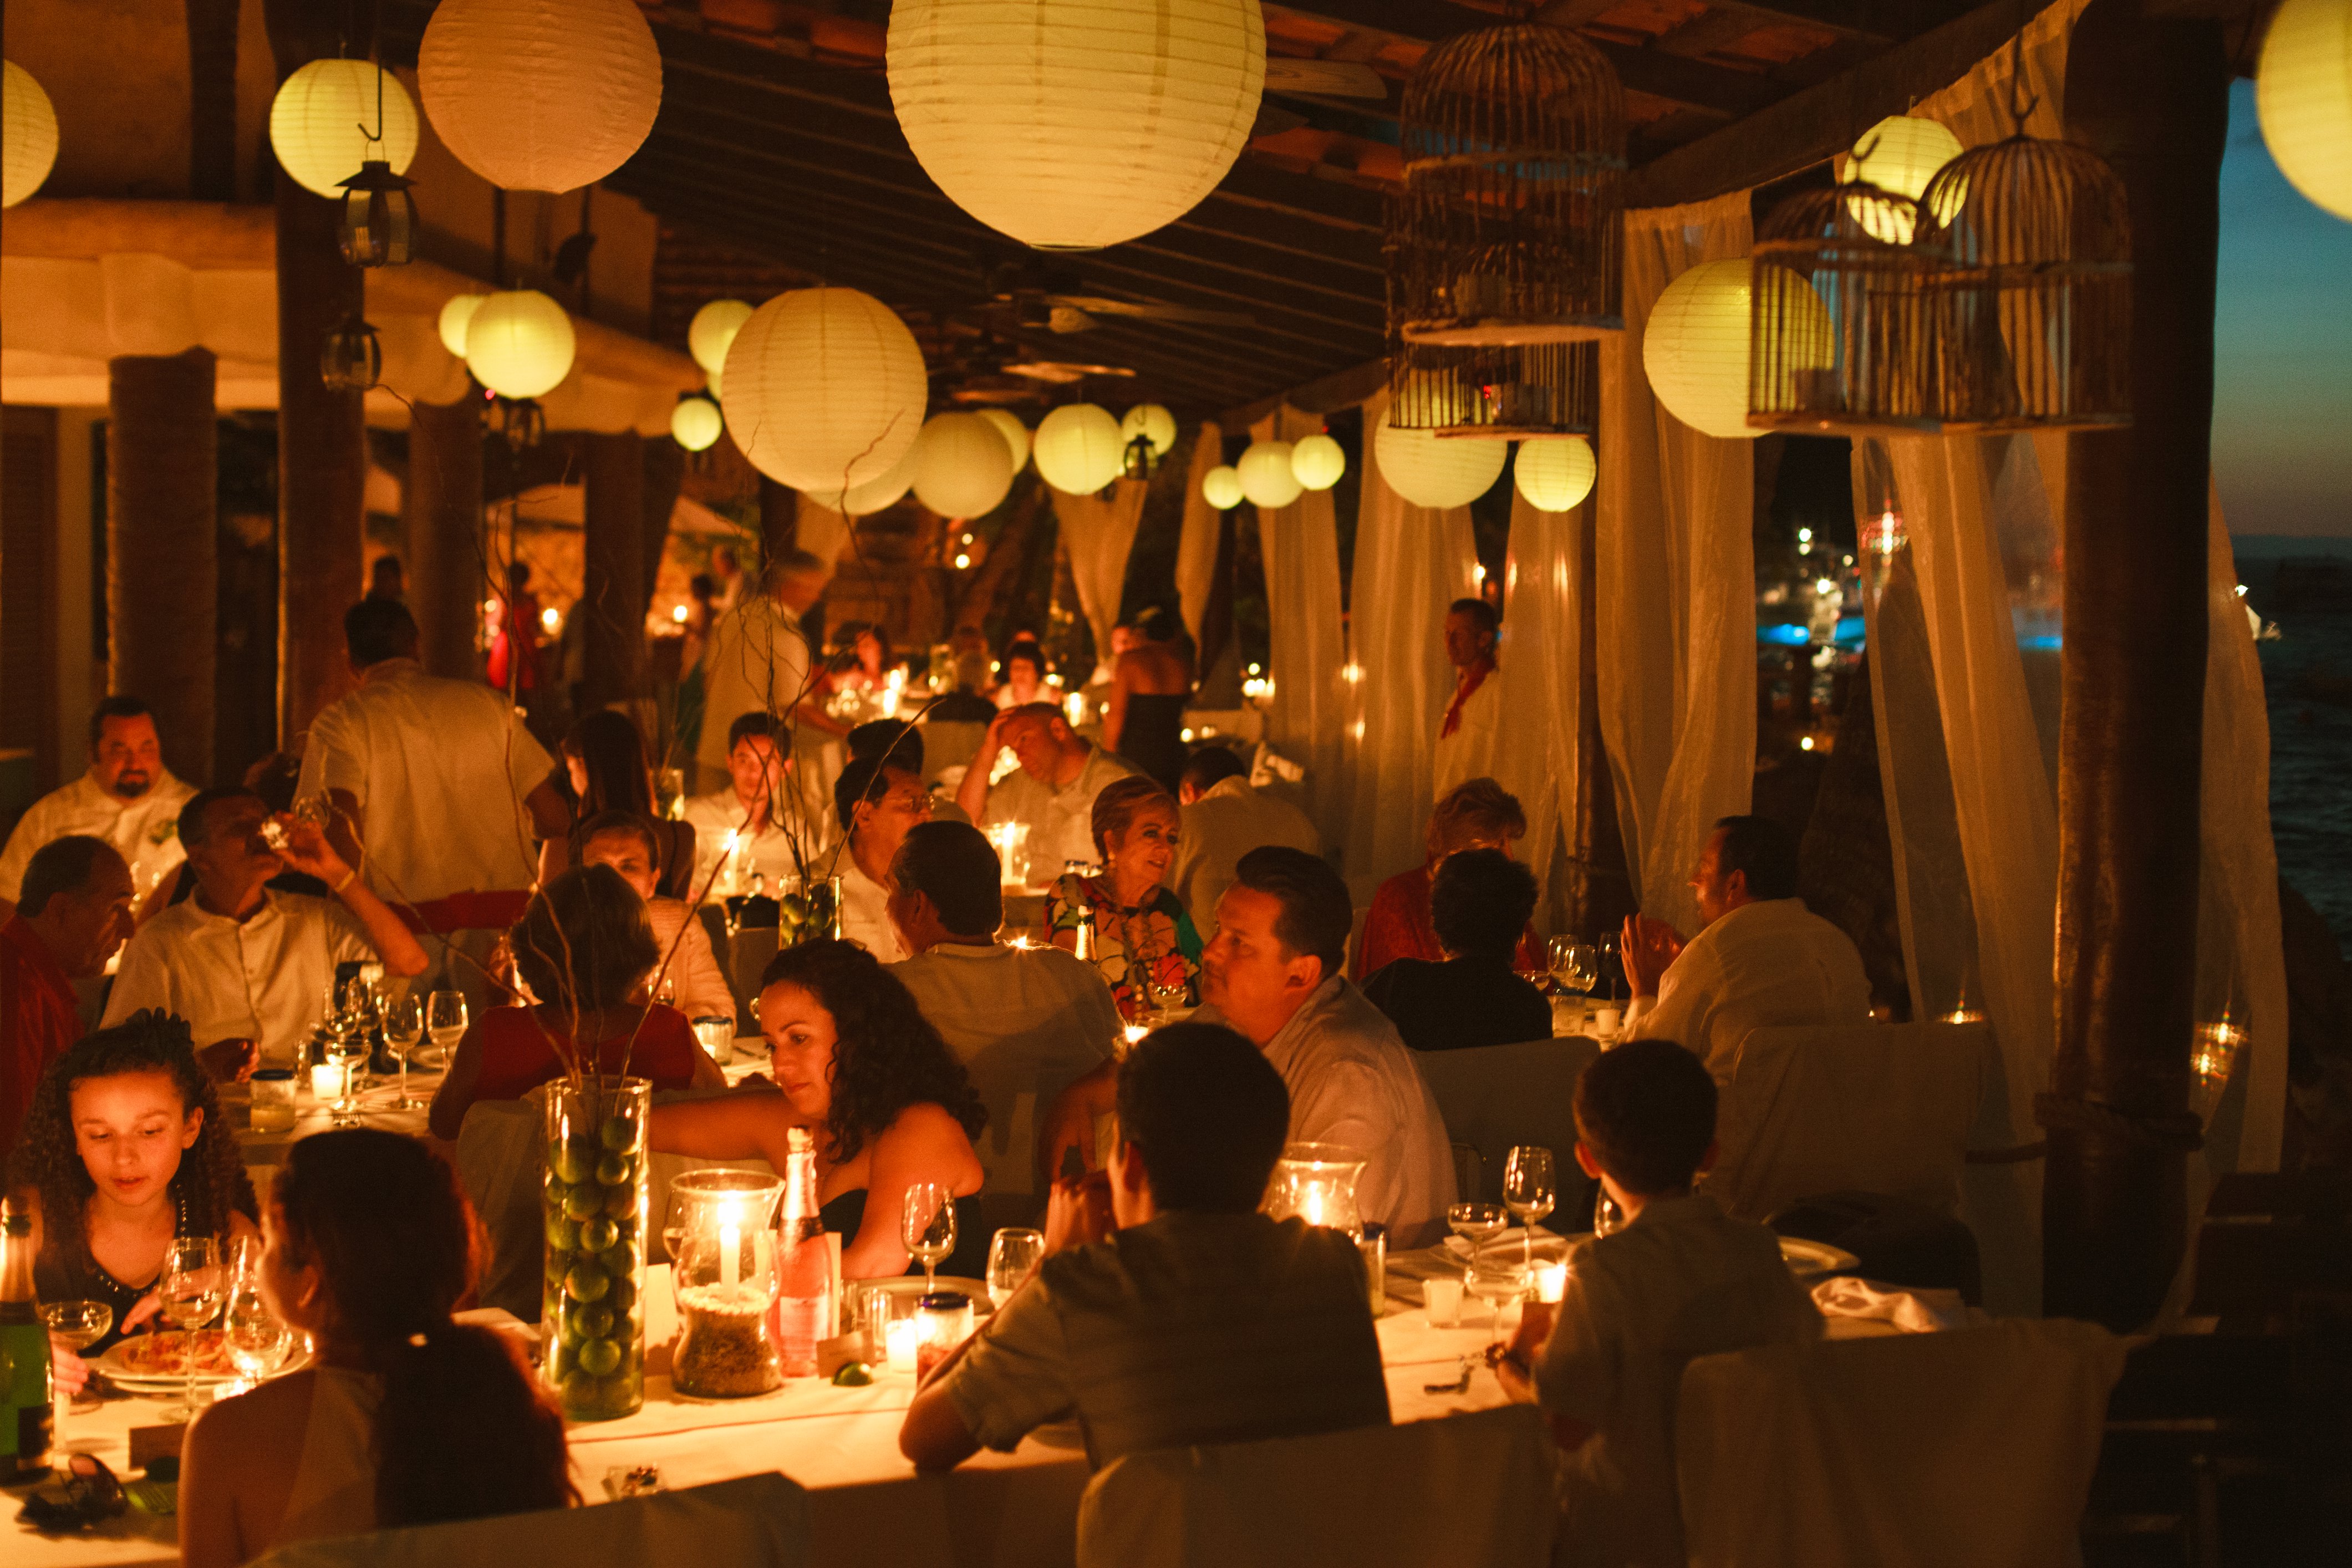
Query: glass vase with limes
{"points": [[596, 1200]]}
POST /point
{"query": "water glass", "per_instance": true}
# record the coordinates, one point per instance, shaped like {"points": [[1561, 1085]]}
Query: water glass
{"points": [[1529, 1191], [445, 1020], [74, 1327], [1013, 1256], [190, 1292], [927, 1225]]}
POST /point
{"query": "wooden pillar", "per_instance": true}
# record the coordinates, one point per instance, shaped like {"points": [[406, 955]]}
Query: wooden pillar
{"points": [[2150, 95], [1600, 891], [446, 583], [163, 481], [613, 587], [212, 100], [664, 477]]}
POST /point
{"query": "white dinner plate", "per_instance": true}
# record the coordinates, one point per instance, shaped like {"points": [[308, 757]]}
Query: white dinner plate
{"points": [[911, 1286], [1550, 1246], [149, 1362]]}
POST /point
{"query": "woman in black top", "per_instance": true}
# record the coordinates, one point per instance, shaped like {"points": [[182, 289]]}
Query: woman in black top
{"points": [[1479, 904]]}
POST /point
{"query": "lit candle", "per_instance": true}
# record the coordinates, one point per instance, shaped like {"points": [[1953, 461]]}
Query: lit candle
{"points": [[904, 1339], [731, 1247], [1552, 1281], [328, 1080]]}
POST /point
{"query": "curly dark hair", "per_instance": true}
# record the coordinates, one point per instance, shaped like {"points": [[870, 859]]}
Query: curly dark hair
{"points": [[211, 1182], [886, 1055]]}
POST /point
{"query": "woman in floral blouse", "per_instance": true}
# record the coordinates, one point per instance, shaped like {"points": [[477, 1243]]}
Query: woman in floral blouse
{"points": [[1139, 928]]}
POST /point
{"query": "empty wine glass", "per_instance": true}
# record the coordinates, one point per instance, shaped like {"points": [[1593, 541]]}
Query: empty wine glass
{"points": [[257, 1342], [445, 1020], [1477, 1223], [189, 1295], [1529, 1190], [1607, 1217], [1575, 964], [927, 1224], [1013, 1256], [74, 1327], [403, 1030], [1497, 1279]]}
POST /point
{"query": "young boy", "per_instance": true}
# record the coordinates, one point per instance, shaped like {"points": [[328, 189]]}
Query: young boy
{"points": [[1679, 1280]]}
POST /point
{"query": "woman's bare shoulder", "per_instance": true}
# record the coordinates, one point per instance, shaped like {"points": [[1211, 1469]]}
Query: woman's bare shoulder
{"points": [[267, 1420]]}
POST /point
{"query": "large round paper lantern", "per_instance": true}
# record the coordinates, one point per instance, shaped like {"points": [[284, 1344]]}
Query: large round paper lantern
{"points": [[519, 343], [1555, 474], [1152, 422], [962, 467], [824, 387], [319, 119], [1220, 487], [695, 423], [29, 124], [540, 95], [1079, 449], [2303, 96], [1696, 348], [1430, 471], [1267, 479], [1318, 461], [1071, 126], [457, 316], [872, 494], [1015, 434], [1899, 155], [713, 330]]}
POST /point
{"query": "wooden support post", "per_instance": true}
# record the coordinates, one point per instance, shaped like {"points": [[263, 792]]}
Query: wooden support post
{"points": [[664, 477], [2151, 96], [163, 482], [613, 588], [446, 582], [1600, 889], [212, 100]]}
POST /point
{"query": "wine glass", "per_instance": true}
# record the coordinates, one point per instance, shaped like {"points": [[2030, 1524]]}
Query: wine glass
{"points": [[1529, 1190], [257, 1342], [445, 1020], [1477, 1223], [189, 1295], [1575, 964], [403, 1028], [1013, 1256], [1608, 1219], [348, 1044], [927, 1224], [1497, 1279], [74, 1326]]}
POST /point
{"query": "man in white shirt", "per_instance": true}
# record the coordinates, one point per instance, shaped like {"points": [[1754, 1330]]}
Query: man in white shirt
{"points": [[1052, 790], [758, 661], [1761, 958], [1467, 734], [128, 797], [622, 840], [442, 787], [1273, 972], [1026, 1022], [748, 821], [240, 962], [1224, 819], [879, 801]]}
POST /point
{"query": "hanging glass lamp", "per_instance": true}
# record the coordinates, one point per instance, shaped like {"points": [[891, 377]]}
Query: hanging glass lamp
{"points": [[379, 221]]}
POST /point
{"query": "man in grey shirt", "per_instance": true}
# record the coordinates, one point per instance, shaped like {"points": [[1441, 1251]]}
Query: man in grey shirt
{"points": [[1182, 1315]]}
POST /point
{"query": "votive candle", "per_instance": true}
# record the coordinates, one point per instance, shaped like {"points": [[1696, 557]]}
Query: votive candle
{"points": [[904, 1338]]}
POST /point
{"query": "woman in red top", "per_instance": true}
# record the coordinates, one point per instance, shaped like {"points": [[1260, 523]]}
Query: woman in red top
{"points": [[584, 945], [1478, 814]]}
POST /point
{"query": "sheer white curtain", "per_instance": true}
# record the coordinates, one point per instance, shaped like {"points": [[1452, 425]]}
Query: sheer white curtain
{"points": [[1306, 718], [1677, 589], [1196, 545], [1100, 532], [1536, 760]]}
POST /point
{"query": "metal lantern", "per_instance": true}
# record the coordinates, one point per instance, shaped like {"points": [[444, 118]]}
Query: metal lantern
{"points": [[2034, 315], [350, 359], [1842, 339], [1520, 390], [379, 226], [1513, 141], [519, 421]]}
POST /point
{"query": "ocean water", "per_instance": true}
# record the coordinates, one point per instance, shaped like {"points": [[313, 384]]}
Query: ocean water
{"points": [[2311, 735]]}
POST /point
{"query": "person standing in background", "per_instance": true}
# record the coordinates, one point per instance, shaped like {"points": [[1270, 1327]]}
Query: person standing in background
{"points": [[1466, 736], [1150, 684], [759, 660]]}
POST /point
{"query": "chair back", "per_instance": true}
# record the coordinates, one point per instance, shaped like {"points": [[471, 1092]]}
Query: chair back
{"points": [[1464, 1489], [753, 1521], [1910, 1451], [1493, 1097], [1873, 1108], [500, 1163]]}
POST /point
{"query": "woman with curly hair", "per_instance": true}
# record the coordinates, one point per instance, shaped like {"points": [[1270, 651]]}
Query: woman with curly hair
{"points": [[856, 1064], [409, 1417], [124, 1150]]}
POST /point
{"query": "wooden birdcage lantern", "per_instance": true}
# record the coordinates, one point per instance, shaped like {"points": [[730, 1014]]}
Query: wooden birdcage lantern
{"points": [[1507, 392], [1842, 339], [2034, 315], [1507, 232]]}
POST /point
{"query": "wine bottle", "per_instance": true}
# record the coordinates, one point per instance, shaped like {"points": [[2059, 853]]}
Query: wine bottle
{"points": [[25, 1372], [805, 1312]]}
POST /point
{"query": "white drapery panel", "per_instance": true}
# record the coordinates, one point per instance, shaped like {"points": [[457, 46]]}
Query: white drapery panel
{"points": [[1306, 718], [1410, 563], [1196, 546], [1676, 583], [1540, 668], [1099, 531]]}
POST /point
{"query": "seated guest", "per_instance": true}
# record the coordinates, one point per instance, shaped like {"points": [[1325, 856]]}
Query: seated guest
{"points": [[125, 1148], [1224, 818], [1026, 1022], [858, 1065], [879, 801], [605, 769], [621, 839], [1760, 958], [1052, 790], [127, 796], [1026, 675], [240, 961], [1680, 1280], [75, 912], [1480, 903], [1143, 941], [1272, 974], [1480, 815], [753, 823], [1185, 1315], [894, 739], [967, 703], [408, 1419], [585, 948]]}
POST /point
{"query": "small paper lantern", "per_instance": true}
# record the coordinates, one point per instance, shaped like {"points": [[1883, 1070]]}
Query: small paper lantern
{"points": [[2303, 97], [1555, 474], [1318, 461], [456, 315], [1431, 471], [1079, 449], [1899, 155], [1695, 349], [1220, 487], [28, 123], [962, 467], [1074, 128], [713, 329], [519, 343], [319, 119], [1015, 434], [695, 421], [824, 388], [1266, 477], [1152, 422], [540, 95]]}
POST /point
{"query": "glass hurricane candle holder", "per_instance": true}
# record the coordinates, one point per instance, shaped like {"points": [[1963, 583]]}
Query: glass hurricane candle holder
{"points": [[725, 1278], [273, 1100], [1010, 842], [1316, 1182], [943, 1320], [595, 1196]]}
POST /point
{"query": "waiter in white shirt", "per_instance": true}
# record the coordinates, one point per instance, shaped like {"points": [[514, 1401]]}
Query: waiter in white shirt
{"points": [[758, 661], [128, 797], [1224, 818], [1762, 958], [1467, 735], [878, 801]]}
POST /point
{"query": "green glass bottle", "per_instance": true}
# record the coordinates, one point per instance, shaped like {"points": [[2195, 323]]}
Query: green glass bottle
{"points": [[25, 1372]]}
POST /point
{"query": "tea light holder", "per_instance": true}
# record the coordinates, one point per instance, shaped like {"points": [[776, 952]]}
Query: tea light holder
{"points": [[272, 1107], [942, 1320], [1316, 1182], [1010, 842], [1551, 1282], [331, 1080], [725, 1278], [900, 1337]]}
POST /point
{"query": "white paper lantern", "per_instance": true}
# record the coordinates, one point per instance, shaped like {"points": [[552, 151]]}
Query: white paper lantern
{"points": [[1220, 487], [1015, 434], [1436, 473], [540, 95], [824, 387], [29, 125], [519, 343], [713, 329], [1900, 155], [1152, 422], [1696, 348], [866, 498], [1555, 474], [711, 379], [1319, 461], [1077, 448], [319, 119], [1267, 479], [1074, 124], [2303, 96], [456, 315], [962, 467], [695, 423]]}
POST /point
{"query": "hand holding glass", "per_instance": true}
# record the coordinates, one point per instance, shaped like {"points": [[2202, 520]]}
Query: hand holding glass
{"points": [[74, 1327]]}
